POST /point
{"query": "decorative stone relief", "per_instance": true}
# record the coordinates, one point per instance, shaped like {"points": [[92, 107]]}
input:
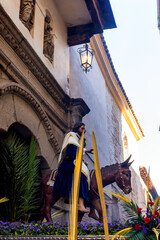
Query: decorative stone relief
{"points": [[25, 52], [48, 47], [27, 13], [16, 89]]}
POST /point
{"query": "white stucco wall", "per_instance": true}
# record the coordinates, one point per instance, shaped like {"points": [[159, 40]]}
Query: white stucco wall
{"points": [[106, 120], [105, 117], [59, 67], [138, 193]]}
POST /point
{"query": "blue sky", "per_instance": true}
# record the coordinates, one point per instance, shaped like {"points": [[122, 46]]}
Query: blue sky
{"points": [[135, 50]]}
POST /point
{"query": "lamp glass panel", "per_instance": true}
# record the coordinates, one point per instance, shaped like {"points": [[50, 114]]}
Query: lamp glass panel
{"points": [[84, 57], [89, 58]]}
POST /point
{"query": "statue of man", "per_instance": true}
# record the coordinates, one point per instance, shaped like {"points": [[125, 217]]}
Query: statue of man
{"points": [[48, 48], [27, 13], [63, 181]]}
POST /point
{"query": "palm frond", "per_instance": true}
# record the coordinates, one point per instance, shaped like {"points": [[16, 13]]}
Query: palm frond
{"points": [[73, 216], [131, 211], [57, 213], [21, 175], [148, 180], [100, 187], [3, 200], [120, 196], [122, 232], [155, 204], [157, 232], [129, 206], [30, 179], [139, 235]]}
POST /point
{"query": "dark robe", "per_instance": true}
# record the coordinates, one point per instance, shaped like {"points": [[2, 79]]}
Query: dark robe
{"points": [[63, 182]]}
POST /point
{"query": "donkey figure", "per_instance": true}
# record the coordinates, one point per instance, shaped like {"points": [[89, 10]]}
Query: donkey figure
{"points": [[118, 173]]}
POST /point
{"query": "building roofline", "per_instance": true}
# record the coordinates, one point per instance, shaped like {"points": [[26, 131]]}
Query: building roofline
{"points": [[118, 80], [113, 82]]}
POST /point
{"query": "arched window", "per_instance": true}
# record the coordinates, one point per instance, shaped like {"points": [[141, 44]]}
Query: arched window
{"points": [[26, 14], [48, 43]]}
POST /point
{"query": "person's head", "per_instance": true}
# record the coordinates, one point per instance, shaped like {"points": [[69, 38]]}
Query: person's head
{"points": [[79, 127]]}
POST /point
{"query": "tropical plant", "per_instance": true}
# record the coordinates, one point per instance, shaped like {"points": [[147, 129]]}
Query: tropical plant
{"points": [[19, 177], [142, 224]]}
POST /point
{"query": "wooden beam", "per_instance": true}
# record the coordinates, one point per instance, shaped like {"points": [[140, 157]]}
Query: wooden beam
{"points": [[80, 34], [102, 18], [101, 14], [94, 13]]}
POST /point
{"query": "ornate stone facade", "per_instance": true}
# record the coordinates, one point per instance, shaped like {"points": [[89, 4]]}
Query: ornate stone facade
{"points": [[54, 118]]}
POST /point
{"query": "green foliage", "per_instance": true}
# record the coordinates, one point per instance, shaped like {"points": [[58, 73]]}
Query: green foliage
{"points": [[20, 177]]}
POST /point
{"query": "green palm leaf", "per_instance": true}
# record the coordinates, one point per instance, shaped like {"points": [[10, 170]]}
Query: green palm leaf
{"points": [[129, 206], [122, 232], [21, 179], [140, 235]]}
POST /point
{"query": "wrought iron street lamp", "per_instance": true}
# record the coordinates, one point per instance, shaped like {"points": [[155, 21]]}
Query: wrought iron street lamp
{"points": [[86, 57]]}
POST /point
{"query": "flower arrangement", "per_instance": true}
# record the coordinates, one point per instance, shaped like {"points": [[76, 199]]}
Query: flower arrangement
{"points": [[142, 223]]}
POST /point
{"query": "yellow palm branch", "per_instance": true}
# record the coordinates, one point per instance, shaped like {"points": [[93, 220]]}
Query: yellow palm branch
{"points": [[120, 196], [157, 232], [122, 232], [4, 200], [57, 213], [72, 234], [148, 185], [155, 204], [100, 187]]}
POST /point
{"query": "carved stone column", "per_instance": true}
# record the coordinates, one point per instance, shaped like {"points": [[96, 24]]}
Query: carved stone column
{"points": [[78, 109]]}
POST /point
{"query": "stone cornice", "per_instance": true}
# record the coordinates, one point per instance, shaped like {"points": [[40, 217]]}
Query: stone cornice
{"points": [[26, 53], [115, 86], [15, 75], [14, 88]]}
